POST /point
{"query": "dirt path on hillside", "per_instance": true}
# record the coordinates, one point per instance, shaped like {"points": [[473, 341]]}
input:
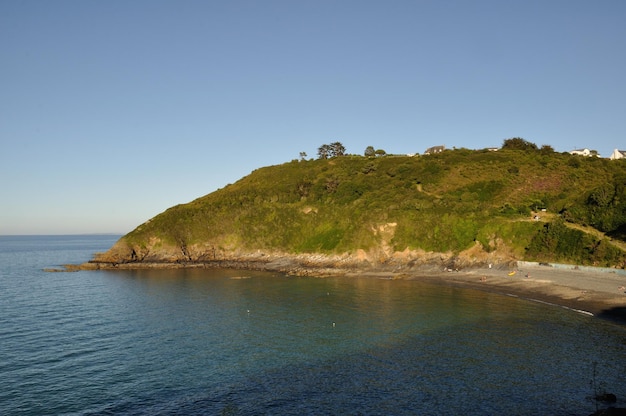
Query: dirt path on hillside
{"points": [[548, 217]]}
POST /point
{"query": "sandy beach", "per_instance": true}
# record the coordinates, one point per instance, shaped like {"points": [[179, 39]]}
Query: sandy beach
{"points": [[602, 294]]}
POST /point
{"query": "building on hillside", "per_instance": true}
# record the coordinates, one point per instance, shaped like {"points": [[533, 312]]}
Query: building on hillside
{"points": [[618, 154], [581, 152], [435, 149]]}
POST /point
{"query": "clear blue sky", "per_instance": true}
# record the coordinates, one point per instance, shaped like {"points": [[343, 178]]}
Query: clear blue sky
{"points": [[113, 111]]}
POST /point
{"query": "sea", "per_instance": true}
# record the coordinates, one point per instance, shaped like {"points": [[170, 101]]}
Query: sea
{"points": [[235, 342]]}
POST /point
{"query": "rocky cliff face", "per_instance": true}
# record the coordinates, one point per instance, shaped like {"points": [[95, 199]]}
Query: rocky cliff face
{"points": [[157, 254]]}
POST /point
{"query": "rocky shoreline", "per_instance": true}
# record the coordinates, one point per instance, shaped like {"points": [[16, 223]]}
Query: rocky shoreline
{"points": [[599, 293]]}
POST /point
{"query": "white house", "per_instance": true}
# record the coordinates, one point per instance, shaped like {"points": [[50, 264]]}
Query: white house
{"points": [[581, 152], [618, 154]]}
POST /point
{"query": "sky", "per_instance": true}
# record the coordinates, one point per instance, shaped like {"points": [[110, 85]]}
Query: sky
{"points": [[113, 111]]}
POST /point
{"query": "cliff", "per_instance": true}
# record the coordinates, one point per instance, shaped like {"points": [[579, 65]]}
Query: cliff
{"points": [[453, 209]]}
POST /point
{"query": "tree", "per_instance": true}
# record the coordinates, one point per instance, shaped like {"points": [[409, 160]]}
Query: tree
{"points": [[337, 149], [517, 143], [326, 151], [602, 196], [302, 155], [323, 152], [370, 152], [380, 152]]}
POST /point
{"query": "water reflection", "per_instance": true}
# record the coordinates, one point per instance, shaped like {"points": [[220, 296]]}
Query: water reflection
{"points": [[396, 346]]}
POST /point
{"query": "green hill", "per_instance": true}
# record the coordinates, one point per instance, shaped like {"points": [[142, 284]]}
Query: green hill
{"points": [[459, 205]]}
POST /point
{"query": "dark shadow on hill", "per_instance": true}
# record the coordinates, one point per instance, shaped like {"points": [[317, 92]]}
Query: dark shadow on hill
{"points": [[619, 233], [617, 314]]}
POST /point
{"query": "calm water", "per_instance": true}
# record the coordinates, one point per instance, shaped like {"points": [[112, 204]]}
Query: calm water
{"points": [[242, 343]]}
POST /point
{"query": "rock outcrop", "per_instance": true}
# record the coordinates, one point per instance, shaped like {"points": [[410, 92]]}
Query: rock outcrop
{"points": [[157, 254]]}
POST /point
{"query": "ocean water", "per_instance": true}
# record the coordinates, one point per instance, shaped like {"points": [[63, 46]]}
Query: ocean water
{"points": [[224, 342]]}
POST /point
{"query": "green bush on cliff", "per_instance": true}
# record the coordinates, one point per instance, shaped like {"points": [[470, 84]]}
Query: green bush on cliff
{"points": [[556, 242]]}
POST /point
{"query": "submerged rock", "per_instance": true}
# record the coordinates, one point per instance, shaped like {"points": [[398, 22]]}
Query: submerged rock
{"points": [[611, 411], [606, 397]]}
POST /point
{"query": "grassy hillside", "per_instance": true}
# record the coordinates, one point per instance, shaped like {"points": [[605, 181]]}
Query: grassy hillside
{"points": [[448, 202]]}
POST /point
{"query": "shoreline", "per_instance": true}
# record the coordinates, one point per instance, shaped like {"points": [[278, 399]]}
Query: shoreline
{"points": [[600, 293]]}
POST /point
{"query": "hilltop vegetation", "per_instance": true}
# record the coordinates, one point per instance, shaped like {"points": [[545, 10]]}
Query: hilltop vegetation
{"points": [[510, 204]]}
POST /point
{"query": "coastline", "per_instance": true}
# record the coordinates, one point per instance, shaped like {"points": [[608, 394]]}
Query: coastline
{"points": [[597, 292], [601, 294]]}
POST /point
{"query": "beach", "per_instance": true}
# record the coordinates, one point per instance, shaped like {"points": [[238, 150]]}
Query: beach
{"points": [[600, 293]]}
